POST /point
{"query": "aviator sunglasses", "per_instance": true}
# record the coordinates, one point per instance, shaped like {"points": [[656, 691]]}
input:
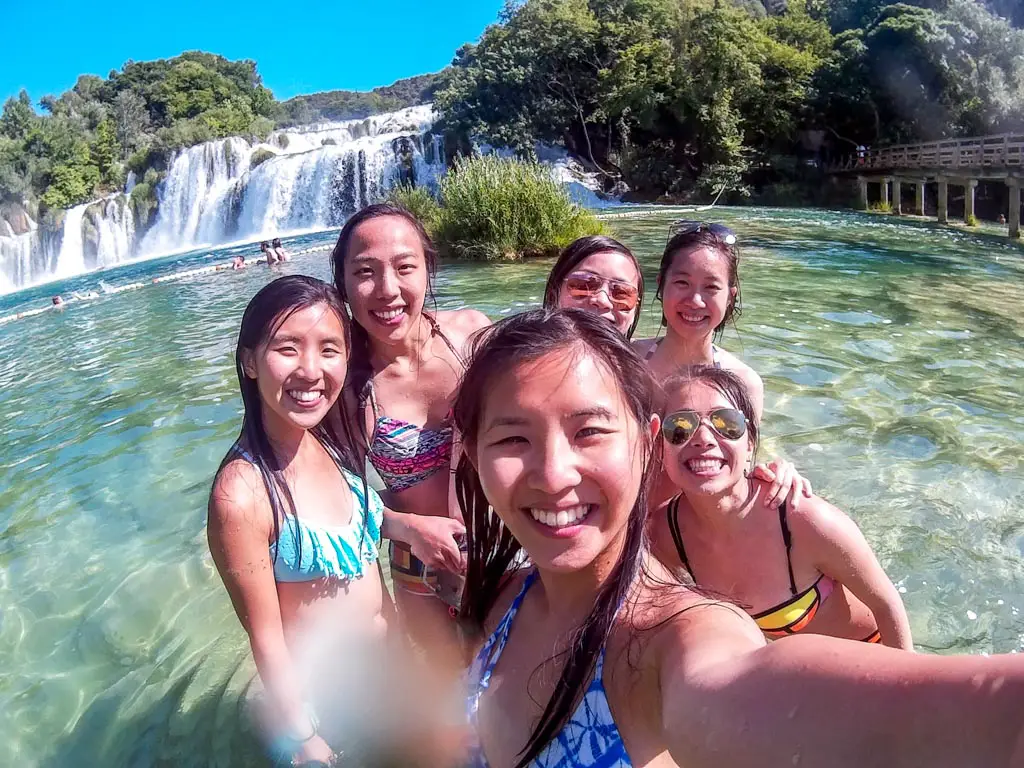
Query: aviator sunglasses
{"points": [[680, 426], [583, 285], [687, 227]]}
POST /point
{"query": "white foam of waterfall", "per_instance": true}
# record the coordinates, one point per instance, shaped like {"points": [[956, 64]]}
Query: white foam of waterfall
{"points": [[115, 231], [71, 260]]}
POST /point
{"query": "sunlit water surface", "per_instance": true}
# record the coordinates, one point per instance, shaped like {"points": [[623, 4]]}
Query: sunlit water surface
{"points": [[893, 359]]}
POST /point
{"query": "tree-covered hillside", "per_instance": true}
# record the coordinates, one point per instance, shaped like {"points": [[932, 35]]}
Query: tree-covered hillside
{"points": [[673, 96], [351, 105]]}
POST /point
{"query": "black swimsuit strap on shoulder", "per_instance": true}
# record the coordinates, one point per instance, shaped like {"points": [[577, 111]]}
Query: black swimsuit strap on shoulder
{"points": [[677, 536], [787, 539]]}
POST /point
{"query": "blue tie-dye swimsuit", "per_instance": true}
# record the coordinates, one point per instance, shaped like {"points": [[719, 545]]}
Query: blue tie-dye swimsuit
{"points": [[589, 739]]}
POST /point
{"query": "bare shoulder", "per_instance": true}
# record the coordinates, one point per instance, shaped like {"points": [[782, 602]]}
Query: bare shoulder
{"points": [[507, 592], [239, 497], [643, 346], [745, 373], [462, 322], [817, 518]]}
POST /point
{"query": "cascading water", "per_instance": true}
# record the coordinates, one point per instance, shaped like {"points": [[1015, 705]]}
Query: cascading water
{"points": [[310, 177], [71, 260]]}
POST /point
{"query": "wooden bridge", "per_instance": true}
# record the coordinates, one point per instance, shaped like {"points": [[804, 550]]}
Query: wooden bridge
{"points": [[957, 162]]}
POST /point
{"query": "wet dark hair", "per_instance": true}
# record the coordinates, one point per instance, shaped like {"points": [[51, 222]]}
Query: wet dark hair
{"points": [[491, 547], [360, 368], [575, 253], [267, 310], [704, 238], [276, 242], [726, 382], [264, 245]]}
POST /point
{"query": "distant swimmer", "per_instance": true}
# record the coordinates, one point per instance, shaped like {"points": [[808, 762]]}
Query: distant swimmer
{"points": [[58, 301], [279, 251], [269, 253], [238, 263], [1002, 219]]}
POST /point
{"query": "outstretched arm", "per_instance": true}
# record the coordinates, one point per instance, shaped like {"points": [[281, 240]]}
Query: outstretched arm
{"points": [[812, 700]]}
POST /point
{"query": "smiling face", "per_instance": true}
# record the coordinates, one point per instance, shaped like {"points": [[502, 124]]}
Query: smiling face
{"points": [[696, 294], [612, 266], [386, 277], [708, 464], [560, 458], [300, 369]]}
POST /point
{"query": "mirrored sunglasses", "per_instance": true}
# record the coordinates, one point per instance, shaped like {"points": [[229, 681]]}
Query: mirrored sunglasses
{"points": [[583, 285], [680, 426]]}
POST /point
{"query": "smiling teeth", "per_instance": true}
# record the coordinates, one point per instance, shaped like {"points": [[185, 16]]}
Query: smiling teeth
{"points": [[702, 466], [389, 314], [305, 397], [693, 318], [561, 518]]}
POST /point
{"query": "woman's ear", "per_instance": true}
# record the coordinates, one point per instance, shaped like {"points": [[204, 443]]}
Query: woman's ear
{"points": [[654, 427], [248, 363]]}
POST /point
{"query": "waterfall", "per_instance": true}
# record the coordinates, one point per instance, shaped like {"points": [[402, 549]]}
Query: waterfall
{"points": [[303, 178], [71, 260]]}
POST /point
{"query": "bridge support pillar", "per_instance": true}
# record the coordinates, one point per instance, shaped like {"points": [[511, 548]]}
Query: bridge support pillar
{"points": [[885, 192], [969, 187], [1014, 184], [943, 201], [862, 188], [897, 196], [919, 197]]}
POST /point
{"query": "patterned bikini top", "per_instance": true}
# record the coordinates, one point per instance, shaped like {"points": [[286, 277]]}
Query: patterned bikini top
{"points": [[589, 738], [403, 453]]}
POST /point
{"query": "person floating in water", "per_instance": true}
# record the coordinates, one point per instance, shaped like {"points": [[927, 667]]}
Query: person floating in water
{"points": [[279, 250], [58, 301], [238, 263]]}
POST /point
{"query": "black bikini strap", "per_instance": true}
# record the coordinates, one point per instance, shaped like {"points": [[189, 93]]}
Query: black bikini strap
{"points": [[787, 539], [673, 526]]}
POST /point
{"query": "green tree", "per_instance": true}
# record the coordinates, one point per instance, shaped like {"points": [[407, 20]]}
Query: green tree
{"points": [[18, 118], [105, 153]]}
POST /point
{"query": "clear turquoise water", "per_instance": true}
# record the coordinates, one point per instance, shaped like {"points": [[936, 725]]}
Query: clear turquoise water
{"points": [[893, 357]]}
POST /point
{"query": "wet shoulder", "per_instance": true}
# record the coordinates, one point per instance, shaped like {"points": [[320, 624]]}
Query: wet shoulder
{"points": [[816, 520], [459, 325], [750, 378], [239, 497]]}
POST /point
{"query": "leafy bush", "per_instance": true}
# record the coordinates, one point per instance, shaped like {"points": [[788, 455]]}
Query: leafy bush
{"points": [[880, 208], [496, 208], [419, 201], [260, 156], [972, 221]]}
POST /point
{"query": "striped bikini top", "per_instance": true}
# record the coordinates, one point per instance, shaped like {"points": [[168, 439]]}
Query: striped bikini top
{"points": [[403, 453], [788, 617]]}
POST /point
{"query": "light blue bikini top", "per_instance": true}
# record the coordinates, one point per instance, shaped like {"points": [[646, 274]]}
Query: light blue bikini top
{"points": [[590, 737], [308, 551]]}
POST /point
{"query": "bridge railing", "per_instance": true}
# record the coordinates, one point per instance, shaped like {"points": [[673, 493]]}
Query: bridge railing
{"points": [[1002, 151]]}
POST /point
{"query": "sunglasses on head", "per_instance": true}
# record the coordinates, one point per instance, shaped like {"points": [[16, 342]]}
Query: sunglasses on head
{"points": [[583, 285], [687, 227], [680, 426]]}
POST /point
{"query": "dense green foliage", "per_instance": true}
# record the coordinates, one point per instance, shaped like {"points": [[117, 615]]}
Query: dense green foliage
{"points": [[677, 95], [93, 133], [496, 208], [351, 105], [419, 201]]}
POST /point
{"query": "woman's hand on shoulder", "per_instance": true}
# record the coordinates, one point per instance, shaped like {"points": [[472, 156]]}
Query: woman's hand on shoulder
{"points": [[784, 484]]}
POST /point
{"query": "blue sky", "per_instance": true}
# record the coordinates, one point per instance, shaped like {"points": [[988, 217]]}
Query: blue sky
{"points": [[301, 47]]}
